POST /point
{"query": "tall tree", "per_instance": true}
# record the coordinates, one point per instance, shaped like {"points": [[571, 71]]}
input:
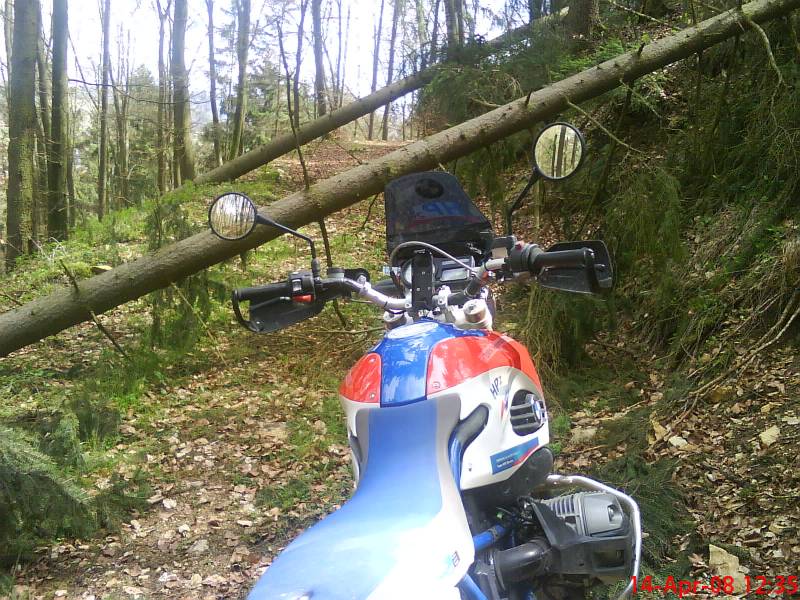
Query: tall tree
{"points": [[583, 16], [182, 116], [212, 76], [535, 8], [121, 95], [8, 24], [319, 66], [375, 63], [454, 34], [102, 167], [57, 215], [242, 46], [21, 128], [398, 9], [163, 98], [422, 33], [343, 60], [39, 214], [298, 59], [337, 82]]}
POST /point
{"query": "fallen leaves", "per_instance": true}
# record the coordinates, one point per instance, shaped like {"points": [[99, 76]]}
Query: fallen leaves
{"points": [[770, 436]]}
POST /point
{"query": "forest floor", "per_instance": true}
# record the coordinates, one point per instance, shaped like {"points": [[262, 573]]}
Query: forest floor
{"points": [[243, 445]]}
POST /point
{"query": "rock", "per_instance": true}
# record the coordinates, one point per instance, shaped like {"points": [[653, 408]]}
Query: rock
{"points": [[169, 503], [214, 581], [770, 436], [677, 441], [725, 564], [583, 434], [133, 591], [199, 547]]}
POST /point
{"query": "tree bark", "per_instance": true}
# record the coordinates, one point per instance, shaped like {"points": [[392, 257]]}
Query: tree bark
{"points": [[212, 76], [398, 8], [21, 129], [121, 96], [242, 46], [451, 23], [40, 196], [583, 16], [338, 85], [66, 307], [8, 26], [298, 59], [375, 62], [57, 216], [163, 98], [342, 79], [102, 167], [184, 149], [435, 32], [422, 33], [319, 66]]}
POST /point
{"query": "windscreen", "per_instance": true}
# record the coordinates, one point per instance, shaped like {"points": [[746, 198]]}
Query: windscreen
{"points": [[432, 207]]}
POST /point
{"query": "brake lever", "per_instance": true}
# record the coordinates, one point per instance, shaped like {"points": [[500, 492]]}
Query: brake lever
{"points": [[247, 324]]}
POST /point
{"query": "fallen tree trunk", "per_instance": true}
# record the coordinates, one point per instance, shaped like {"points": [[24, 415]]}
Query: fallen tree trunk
{"points": [[66, 307], [312, 130]]}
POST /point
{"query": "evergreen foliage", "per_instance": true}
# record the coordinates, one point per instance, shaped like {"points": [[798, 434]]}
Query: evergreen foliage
{"points": [[36, 499]]}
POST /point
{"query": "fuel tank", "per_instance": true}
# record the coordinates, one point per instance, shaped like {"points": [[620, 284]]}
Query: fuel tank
{"points": [[429, 361]]}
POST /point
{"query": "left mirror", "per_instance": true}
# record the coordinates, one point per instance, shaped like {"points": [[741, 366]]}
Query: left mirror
{"points": [[232, 216]]}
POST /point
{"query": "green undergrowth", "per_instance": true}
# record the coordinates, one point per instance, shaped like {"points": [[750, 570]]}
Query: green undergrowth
{"points": [[703, 223], [60, 420]]}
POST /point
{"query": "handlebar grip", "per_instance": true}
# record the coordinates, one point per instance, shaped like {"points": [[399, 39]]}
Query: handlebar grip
{"points": [[578, 258], [531, 258], [264, 292]]}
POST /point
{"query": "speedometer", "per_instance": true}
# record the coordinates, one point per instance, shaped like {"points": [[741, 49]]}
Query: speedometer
{"points": [[444, 271]]}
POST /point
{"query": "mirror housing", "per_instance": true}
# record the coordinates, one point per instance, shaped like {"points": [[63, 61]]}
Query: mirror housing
{"points": [[595, 278], [558, 151], [232, 216]]}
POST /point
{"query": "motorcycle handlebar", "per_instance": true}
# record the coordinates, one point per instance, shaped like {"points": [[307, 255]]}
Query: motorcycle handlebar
{"points": [[531, 258], [264, 292], [339, 286]]}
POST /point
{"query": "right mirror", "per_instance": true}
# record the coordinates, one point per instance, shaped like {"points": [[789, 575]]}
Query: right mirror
{"points": [[558, 151]]}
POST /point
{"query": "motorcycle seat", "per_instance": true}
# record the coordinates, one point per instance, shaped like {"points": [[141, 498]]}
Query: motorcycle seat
{"points": [[404, 532]]}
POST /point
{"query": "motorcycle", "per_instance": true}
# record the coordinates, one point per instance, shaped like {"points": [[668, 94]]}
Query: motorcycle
{"points": [[448, 428]]}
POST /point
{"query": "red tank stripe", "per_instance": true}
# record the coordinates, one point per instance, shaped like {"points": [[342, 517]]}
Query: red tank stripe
{"points": [[455, 360], [363, 380]]}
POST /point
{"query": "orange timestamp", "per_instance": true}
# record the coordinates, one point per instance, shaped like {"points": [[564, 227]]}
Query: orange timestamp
{"points": [[760, 585]]}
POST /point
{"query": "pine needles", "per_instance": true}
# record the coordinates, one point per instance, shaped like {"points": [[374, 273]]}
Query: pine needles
{"points": [[36, 499]]}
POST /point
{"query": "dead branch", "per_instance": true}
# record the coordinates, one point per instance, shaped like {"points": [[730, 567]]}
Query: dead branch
{"points": [[95, 320]]}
